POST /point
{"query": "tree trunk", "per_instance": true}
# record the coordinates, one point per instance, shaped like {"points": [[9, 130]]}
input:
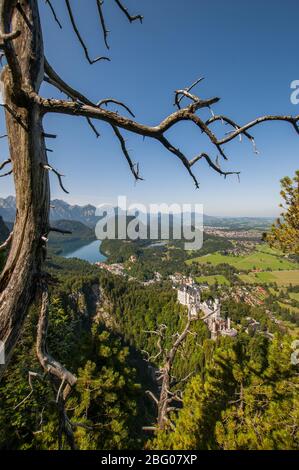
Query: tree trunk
{"points": [[28, 156], [164, 398]]}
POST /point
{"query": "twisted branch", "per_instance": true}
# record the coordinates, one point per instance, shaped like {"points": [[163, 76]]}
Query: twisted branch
{"points": [[120, 103], [188, 89], [126, 12], [59, 176], [213, 165], [6, 162], [157, 132], [48, 363], [79, 37], [30, 376], [82, 106]]}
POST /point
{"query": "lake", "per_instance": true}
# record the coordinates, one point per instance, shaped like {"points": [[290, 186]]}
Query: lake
{"points": [[90, 252]]}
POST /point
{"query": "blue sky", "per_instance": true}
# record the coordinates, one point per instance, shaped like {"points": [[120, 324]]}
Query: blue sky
{"points": [[248, 53]]}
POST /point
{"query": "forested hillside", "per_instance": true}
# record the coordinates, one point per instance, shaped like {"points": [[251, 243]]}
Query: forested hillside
{"points": [[79, 234], [241, 393]]}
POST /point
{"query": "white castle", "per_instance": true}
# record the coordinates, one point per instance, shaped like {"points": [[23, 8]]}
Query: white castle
{"points": [[189, 295]]}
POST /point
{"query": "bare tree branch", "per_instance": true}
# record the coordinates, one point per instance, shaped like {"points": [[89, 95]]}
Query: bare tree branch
{"points": [[157, 132], [126, 12], [6, 174], [49, 364], [93, 127], [30, 376], [7, 242], [59, 176], [150, 428], [225, 119], [56, 370], [111, 100], [80, 39], [6, 162], [180, 155], [49, 136], [291, 119], [59, 230], [166, 396], [176, 382], [188, 89], [48, 2], [103, 23], [133, 167], [213, 165], [55, 80], [153, 397]]}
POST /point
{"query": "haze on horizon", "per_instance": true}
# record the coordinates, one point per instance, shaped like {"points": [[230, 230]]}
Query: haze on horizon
{"points": [[250, 73]]}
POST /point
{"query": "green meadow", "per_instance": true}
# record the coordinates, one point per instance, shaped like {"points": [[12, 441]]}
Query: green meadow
{"points": [[281, 278], [294, 295], [262, 258]]}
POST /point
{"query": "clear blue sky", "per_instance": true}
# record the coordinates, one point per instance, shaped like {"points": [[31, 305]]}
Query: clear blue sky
{"points": [[248, 53]]}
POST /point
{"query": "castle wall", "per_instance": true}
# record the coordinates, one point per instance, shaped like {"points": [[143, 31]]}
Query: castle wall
{"points": [[189, 296]]}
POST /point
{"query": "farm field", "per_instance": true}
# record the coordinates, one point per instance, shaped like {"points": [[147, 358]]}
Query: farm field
{"points": [[289, 307], [281, 278], [294, 295], [262, 258], [211, 280]]}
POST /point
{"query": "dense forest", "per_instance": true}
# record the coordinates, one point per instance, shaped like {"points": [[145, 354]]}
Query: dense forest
{"points": [[241, 393], [156, 255]]}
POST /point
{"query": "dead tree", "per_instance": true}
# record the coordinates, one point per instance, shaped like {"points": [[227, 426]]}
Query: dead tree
{"points": [[167, 398], [168, 395], [21, 44]]}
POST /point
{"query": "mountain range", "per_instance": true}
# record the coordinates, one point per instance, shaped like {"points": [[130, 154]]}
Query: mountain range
{"points": [[61, 210]]}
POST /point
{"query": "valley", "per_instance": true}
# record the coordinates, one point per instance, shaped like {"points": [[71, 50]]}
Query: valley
{"points": [[110, 297]]}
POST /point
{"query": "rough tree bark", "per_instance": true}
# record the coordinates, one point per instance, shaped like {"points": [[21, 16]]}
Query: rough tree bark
{"points": [[28, 155]]}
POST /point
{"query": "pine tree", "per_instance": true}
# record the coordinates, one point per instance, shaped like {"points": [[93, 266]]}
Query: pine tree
{"points": [[285, 233]]}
